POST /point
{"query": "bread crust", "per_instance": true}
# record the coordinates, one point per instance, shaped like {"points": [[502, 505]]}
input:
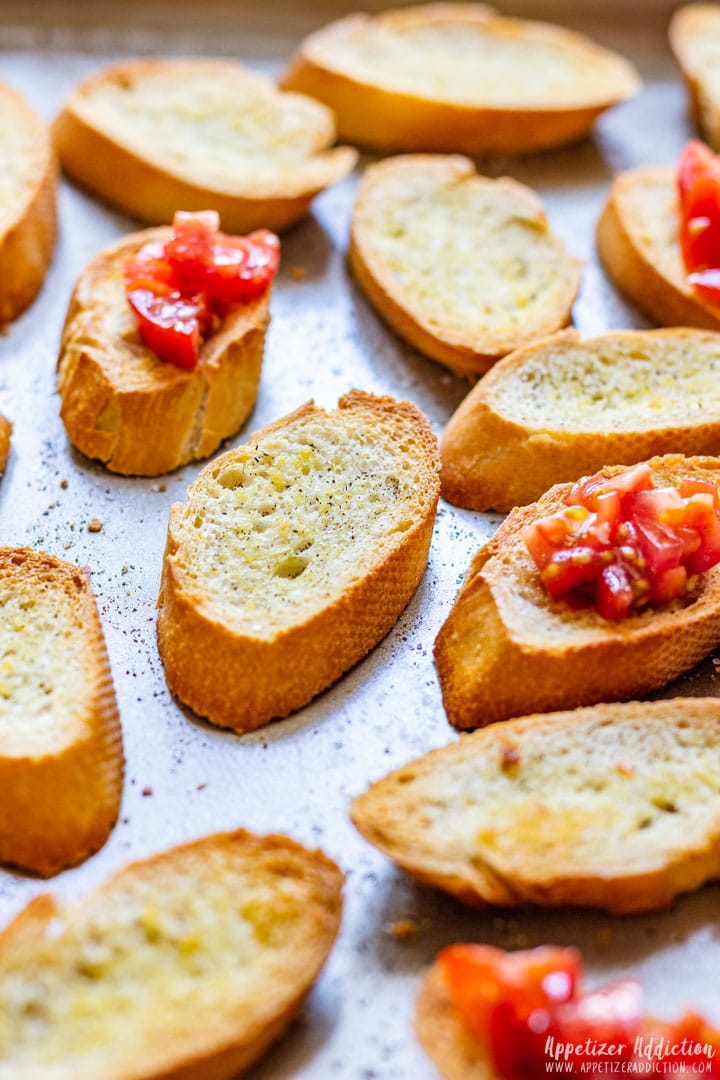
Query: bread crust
{"points": [[5, 433], [240, 681], [467, 351], [442, 1034], [563, 847], [27, 238], [221, 1050], [649, 270], [110, 168], [504, 621], [382, 116], [59, 804], [114, 391], [692, 28], [493, 461]]}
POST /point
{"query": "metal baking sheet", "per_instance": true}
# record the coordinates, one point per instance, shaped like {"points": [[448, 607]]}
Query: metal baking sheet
{"points": [[185, 778]]}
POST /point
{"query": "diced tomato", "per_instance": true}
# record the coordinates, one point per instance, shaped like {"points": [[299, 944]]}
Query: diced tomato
{"points": [[690, 1042], [571, 567], [614, 591], [694, 486], [611, 1015], [175, 288], [586, 491], [698, 183]]}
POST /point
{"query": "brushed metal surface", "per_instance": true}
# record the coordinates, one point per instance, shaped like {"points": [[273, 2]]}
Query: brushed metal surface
{"points": [[185, 778]]}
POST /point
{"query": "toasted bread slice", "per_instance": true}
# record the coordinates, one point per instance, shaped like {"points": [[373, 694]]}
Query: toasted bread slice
{"points": [[695, 40], [638, 242], [443, 1036], [562, 408], [187, 965], [154, 136], [507, 649], [134, 412], [28, 180], [614, 806], [294, 555], [5, 433], [61, 761], [463, 267], [458, 78]]}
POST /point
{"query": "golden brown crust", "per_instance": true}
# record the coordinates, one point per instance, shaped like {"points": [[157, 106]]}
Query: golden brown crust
{"points": [[134, 412], [384, 117], [443, 1036], [468, 350], [241, 681], [28, 239], [503, 621], [212, 1051], [693, 33], [5, 433], [59, 805], [649, 270], [107, 166], [492, 462]]}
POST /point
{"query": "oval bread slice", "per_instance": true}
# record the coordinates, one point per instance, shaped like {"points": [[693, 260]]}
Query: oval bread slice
{"points": [[614, 806], [638, 243], [458, 78], [694, 35], [562, 408], [28, 180], [61, 761], [294, 555], [463, 267], [188, 964], [134, 412], [155, 136], [507, 649]]}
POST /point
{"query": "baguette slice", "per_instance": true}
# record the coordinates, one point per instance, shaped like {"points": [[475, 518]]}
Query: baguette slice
{"points": [[638, 243], [61, 761], [134, 412], [458, 78], [187, 965], [443, 1036], [507, 649], [28, 180], [294, 555], [149, 136], [561, 408], [463, 267], [614, 806], [695, 40]]}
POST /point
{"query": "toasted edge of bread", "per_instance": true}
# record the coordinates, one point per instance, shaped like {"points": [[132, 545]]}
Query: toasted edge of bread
{"points": [[692, 28], [539, 853], [5, 433], [442, 1034], [384, 114], [111, 169], [471, 349], [650, 273], [125, 407], [216, 1051], [507, 649], [59, 805], [27, 241], [494, 460], [242, 681]]}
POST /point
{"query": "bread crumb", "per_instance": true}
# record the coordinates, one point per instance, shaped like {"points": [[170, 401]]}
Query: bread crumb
{"points": [[94, 525], [404, 929], [64, 484], [146, 791], [159, 487], [298, 273]]}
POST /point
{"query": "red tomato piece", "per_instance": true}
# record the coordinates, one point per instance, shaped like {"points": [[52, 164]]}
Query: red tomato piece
{"points": [[170, 324], [570, 568], [698, 182], [242, 267], [690, 486], [587, 491], [614, 593], [612, 1015]]}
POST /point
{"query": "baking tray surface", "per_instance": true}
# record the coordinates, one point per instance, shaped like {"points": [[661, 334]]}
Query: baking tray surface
{"points": [[185, 778]]}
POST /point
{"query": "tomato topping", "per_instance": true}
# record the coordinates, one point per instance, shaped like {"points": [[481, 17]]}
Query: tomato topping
{"points": [[528, 1010], [698, 184], [621, 543], [175, 289]]}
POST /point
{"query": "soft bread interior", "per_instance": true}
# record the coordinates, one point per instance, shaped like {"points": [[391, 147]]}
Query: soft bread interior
{"points": [[625, 382], [24, 154], [463, 54], [213, 125], [471, 259], [283, 525]]}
